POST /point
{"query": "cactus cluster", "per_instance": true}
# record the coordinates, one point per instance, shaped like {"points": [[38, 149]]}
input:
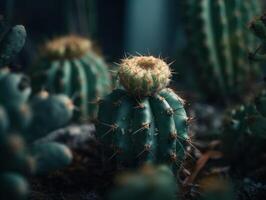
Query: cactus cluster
{"points": [[143, 121], [22, 121], [245, 129], [258, 28], [218, 41], [69, 66], [148, 183]]}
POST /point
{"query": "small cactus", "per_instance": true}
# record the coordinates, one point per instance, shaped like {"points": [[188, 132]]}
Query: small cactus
{"points": [[69, 66], [11, 44], [258, 28], [245, 129], [218, 44], [50, 112], [149, 183], [144, 121]]}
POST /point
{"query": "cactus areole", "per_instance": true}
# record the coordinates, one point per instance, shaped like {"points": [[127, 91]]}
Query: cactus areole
{"points": [[146, 121]]}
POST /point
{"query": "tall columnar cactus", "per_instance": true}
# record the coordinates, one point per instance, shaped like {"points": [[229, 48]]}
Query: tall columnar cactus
{"points": [[245, 129], [69, 66], [144, 121], [218, 42], [258, 28], [149, 183]]}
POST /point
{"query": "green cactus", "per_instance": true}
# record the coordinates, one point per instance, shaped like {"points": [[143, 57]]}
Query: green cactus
{"points": [[29, 120], [50, 112], [258, 28], [68, 65], [11, 44], [149, 183], [145, 121], [13, 186], [218, 42], [245, 129]]}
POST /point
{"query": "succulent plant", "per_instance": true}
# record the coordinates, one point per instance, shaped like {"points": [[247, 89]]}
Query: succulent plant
{"points": [[218, 44], [258, 28], [68, 65], [50, 112], [11, 42], [245, 129], [143, 121], [23, 121], [148, 183]]}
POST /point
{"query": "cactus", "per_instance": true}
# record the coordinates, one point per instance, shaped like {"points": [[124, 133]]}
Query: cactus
{"points": [[13, 186], [148, 183], [218, 41], [50, 112], [11, 43], [245, 129], [258, 28], [23, 121], [68, 65], [144, 121]]}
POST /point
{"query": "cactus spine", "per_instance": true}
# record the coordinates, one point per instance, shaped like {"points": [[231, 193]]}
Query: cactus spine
{"points": [[148, 183], [69, 66], [219, 42], [146, 122]]}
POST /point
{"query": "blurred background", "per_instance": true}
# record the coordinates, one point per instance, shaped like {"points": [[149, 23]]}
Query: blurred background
{"points": [[117, 27]]}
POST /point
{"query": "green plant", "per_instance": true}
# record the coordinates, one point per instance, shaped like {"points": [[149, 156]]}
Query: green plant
{"points": [[245, 129], [258, 28], [11, 42], [68, 65], [148, 183], [21, 123], [218, 43], [144, 121]]}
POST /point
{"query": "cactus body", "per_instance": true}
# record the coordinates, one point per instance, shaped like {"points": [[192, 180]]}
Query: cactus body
{"points": [[49, 113], [50, 156], [69, 66], [149, 183], [146, 122], [13, 187], [218, 41], [245, 129], [17, 88], [11, 44]]}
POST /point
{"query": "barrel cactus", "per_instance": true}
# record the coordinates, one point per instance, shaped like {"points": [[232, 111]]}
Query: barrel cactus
{"points": [[218, 44], [258, 28], [69, 66], [144, 121], [148, 183]]}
